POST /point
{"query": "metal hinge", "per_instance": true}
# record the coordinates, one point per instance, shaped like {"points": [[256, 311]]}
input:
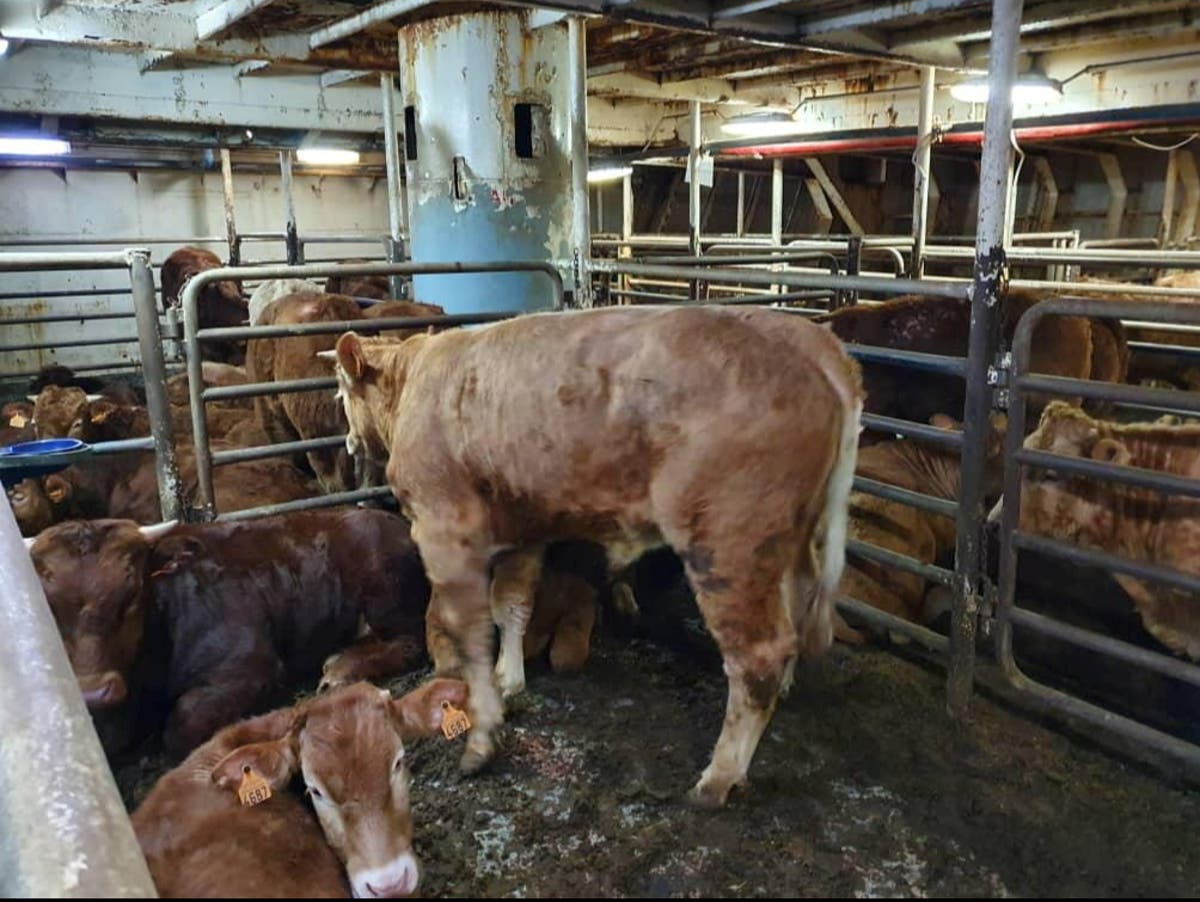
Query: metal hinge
{"points": [[998, 376]]}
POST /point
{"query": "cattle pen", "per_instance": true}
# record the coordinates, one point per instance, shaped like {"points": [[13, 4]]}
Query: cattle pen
{"points": [[1033, 729]]}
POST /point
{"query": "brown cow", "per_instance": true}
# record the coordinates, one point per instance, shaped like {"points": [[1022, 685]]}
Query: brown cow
{"points": [[348, 745], [1063, 346], [64, 377], [1136, 523], [315, 414], [728, 434], [375, 287], [243, 609], [220, 305]]}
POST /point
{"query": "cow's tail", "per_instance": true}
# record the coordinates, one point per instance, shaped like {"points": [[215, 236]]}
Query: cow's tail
{"points": [[836, 515], [810, 586]]}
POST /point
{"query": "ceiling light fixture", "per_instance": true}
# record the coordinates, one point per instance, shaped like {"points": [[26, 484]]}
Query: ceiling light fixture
{"points": [[608, 173], [1033, 86], [30, 146], [327, 156], [760, 124]]}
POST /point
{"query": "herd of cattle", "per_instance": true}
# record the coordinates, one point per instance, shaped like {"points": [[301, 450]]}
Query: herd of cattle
{"points": [[534, 461]]}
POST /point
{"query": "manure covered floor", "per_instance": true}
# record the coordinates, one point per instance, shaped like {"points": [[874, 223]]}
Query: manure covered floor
{"points": [[862, 786]]}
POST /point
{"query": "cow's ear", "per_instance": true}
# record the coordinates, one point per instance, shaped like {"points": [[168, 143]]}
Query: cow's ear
{"points": [[420, 712], [57, 489], [1111, 451], [350, 356], [274, 760], [942, 421]]}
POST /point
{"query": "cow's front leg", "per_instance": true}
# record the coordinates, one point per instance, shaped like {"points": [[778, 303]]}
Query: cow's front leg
{"points": [[458, 572], [515, 578]]}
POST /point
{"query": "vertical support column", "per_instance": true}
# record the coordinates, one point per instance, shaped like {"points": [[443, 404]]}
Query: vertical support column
{"points": [[154, 371], [626, 229], [1165, 226], [581, 243], [600, 208], [231, 235], [990, 266], [693, 171], [397, 227], [777, 202], [921, 163], [740, 229], [295, 252]]}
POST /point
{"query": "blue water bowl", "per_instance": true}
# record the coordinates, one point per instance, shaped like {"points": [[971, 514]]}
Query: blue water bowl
{"points": [[40, 458]]}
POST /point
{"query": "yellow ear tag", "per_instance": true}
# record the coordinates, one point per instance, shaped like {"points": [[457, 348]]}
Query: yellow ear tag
{"points": [[454, 722], [17, 421], [254, 789]]}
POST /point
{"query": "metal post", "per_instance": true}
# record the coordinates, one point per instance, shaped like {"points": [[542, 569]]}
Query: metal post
{"points": [[854, 246], [777, 202], [397, 227], [231, 235], [921, 164], [694, 211], [66, 833], [740, 229], [295, 251], [581, 250], [154, 372], [626, 225], [990, 266]]}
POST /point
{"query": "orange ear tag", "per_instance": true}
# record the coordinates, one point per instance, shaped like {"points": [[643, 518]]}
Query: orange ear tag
{"points": [[454, 722], [17, 421], [254, 789]]}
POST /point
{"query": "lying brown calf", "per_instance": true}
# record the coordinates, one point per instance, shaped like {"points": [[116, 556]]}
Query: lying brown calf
{"points": [[215, 619], [348, 745]]}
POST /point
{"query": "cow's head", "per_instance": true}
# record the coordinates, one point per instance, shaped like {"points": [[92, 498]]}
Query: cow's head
{"points": [[349, 746], [94, 576], [223, 304], [59, 412], [371, 375], [1055, 503], [32, 505]]}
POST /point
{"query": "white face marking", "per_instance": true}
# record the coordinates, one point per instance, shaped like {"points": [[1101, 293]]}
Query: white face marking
{"points": [[399, 877]]}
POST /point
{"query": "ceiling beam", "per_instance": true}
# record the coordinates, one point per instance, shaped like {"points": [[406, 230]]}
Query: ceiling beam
{"points": [[879, 14], [732, 9], [341, 76], [344, 28], [222, 15]]}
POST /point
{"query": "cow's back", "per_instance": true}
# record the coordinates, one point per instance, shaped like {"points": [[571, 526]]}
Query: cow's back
{"points": [[556, 417]]}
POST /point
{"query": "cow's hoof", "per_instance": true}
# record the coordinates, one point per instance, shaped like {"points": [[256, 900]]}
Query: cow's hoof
{"points": [[476, 756], [707, 796], [509, 684]]}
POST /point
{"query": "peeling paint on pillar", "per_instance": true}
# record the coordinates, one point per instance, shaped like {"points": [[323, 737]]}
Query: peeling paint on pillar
{"points": [[464, 75]]}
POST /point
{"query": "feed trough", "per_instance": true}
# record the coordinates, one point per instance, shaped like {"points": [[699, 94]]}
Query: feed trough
{"points": [[39, 458]]}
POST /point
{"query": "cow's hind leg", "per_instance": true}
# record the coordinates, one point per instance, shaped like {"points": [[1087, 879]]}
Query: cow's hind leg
{"points": [[514, 582], [753, 628]]}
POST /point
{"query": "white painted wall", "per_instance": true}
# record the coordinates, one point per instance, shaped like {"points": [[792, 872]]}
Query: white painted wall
{"points": [[42, 203]]}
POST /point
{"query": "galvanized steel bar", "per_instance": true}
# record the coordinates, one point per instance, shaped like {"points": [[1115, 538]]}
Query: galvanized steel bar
{"points": [[77, 343], [581, 223], [231, 235], [363, 326], [935, 642], [869, 552], [1102, 560], [905, 496], [874, 284], [259, 452], [303, 504], [1130, 395], [256, 389], [777, 201], [922, 160], [29, 262], [1174, 668], [63, 318], [693, 164], [917, 360], [145, 443], [995, 176], [397, 208], [66, 833], [943, 438], [1136, 476], [295, 249], [154, 370]]}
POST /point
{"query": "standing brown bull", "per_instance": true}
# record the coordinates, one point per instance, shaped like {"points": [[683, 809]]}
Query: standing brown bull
{"points": [[729, 435], [220, 305]]}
